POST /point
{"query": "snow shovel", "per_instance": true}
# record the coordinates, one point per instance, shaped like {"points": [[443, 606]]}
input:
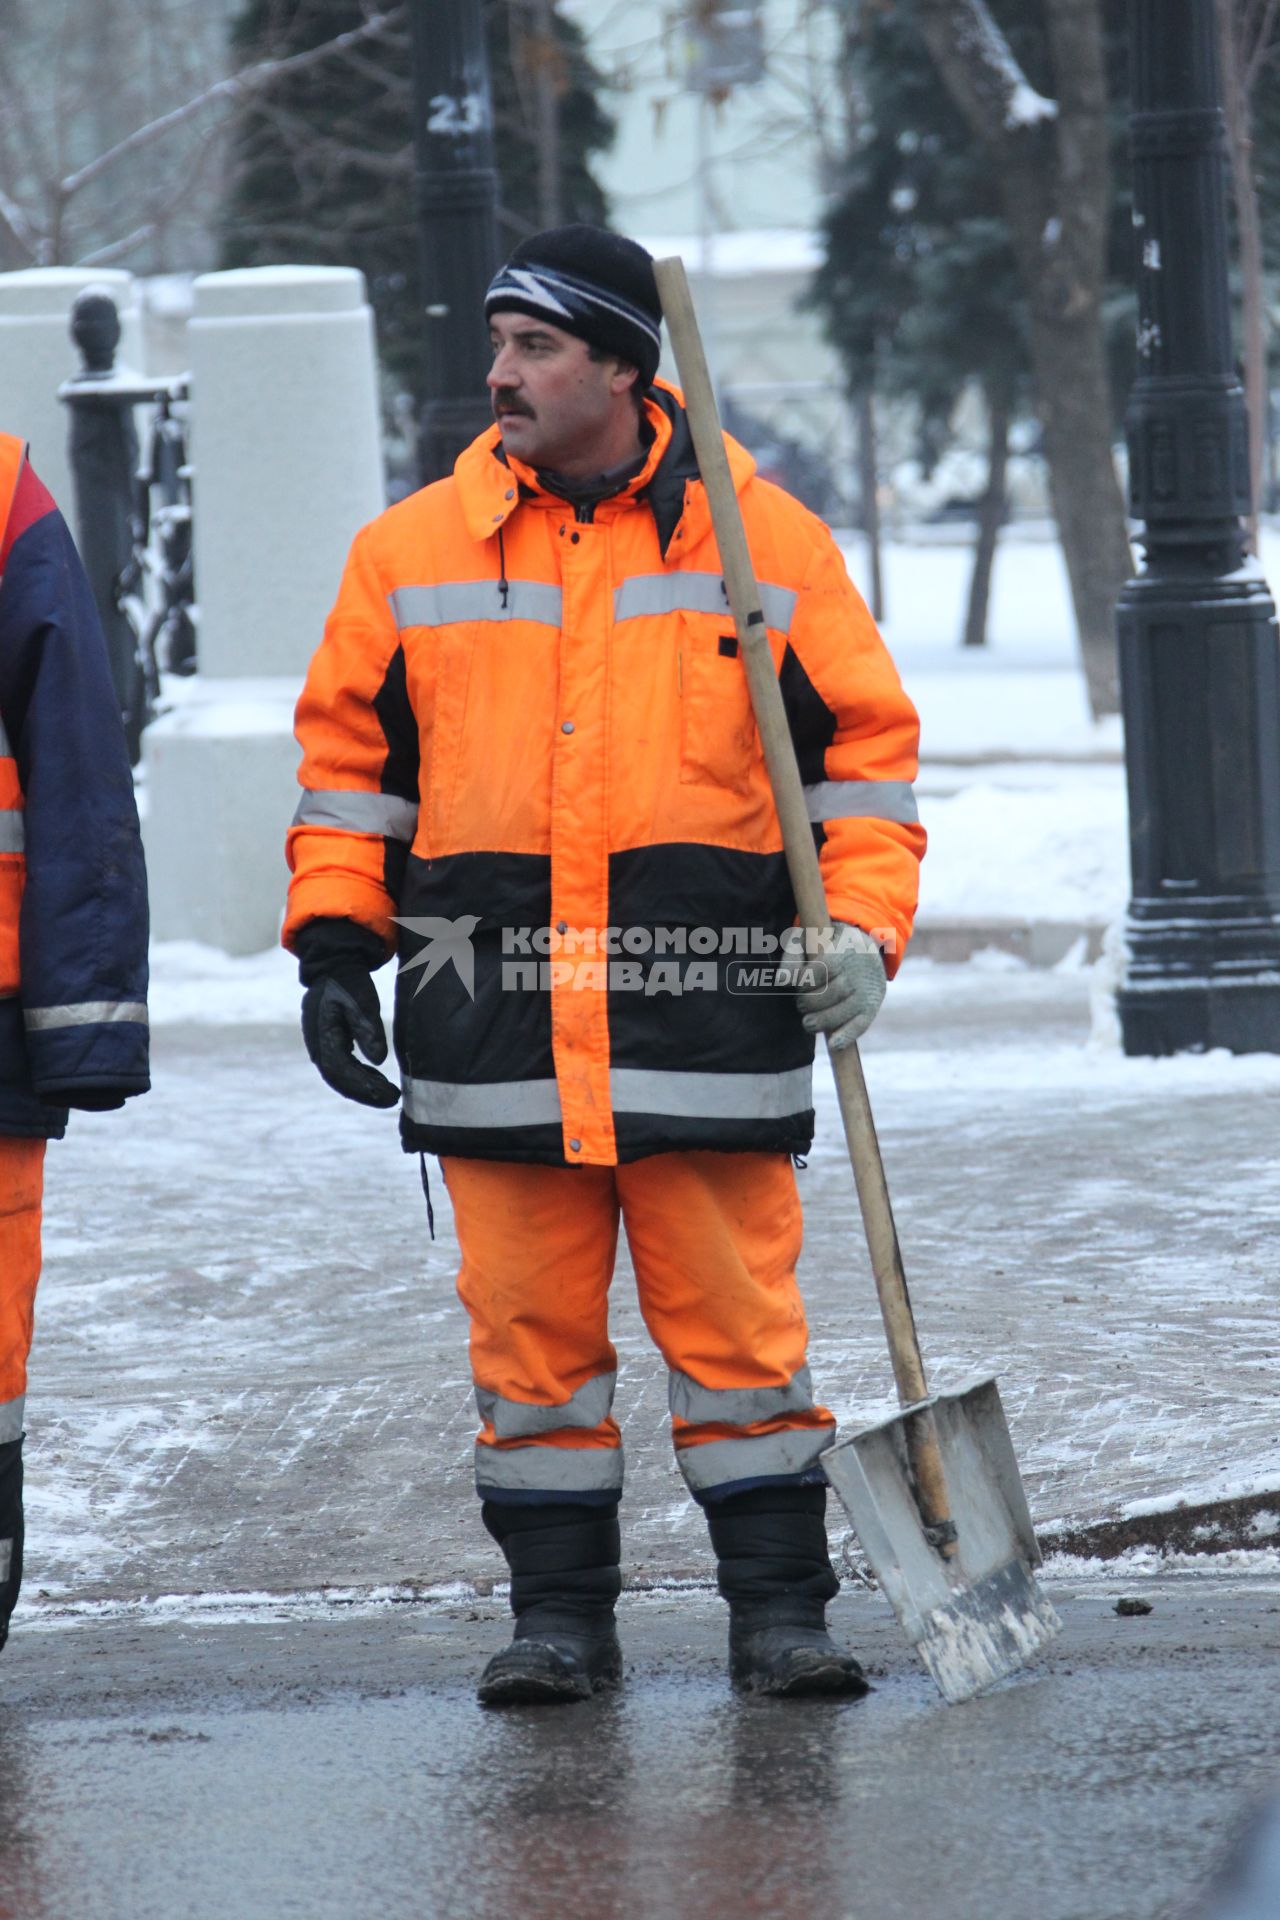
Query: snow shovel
{"points": [[934, 1493]]}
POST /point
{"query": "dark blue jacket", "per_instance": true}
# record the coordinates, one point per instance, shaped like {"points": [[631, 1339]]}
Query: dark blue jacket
{"points": [[73, 890]]}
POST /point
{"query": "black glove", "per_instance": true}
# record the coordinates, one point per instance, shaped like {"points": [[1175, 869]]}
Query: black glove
{"points": [[340, 1009]]}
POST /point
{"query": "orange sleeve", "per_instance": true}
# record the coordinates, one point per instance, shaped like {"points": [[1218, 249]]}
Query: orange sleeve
{"points": [[358, 810]]}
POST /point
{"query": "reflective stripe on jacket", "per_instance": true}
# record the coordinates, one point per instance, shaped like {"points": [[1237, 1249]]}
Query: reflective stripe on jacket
{"points": [[73, 902], [528, 740]]}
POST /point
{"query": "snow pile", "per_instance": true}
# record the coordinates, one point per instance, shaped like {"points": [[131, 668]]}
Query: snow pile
{"points": [[191, 982], [1026, 856]]}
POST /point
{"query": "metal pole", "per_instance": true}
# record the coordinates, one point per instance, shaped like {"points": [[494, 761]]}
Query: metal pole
{"points": [[103, 447], [1200, 666], [457, 195]]}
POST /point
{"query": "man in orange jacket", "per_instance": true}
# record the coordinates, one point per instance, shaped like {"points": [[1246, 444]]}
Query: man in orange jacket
{"points": [[530, 765], [73, 913]]}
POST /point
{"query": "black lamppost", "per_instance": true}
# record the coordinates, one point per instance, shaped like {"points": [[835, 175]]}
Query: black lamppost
{"points": [[457, 195], [1199, 663]]}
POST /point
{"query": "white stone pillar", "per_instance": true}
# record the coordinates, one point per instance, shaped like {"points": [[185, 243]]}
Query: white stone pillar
{"points": [[37, 355], [287, 459]]}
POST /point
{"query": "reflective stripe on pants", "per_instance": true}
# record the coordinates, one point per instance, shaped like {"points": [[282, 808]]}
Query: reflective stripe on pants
{"points": [[21, 1190], [714, 1239]]}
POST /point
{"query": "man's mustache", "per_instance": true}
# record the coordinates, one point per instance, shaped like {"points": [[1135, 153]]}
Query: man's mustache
{"points": [[506, 400]]}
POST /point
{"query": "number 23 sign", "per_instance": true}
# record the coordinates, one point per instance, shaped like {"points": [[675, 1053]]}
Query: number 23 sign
{"points": [[450, 114]]}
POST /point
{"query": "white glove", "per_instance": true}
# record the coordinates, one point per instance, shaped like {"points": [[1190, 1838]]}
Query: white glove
{"points": [[853, 993]]}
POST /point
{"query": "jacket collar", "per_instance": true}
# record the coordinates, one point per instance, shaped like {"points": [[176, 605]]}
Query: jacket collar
{"points": [[491, 488]]}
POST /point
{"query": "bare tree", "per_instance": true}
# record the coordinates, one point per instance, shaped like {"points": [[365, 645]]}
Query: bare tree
{"points": [[992, 507], [1249, 44], [542, 79], [1051, 159], [57, 207]]}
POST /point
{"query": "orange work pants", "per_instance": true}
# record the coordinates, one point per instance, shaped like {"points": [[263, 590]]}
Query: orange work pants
{"points": [[21, 1190], [714, 1238]]}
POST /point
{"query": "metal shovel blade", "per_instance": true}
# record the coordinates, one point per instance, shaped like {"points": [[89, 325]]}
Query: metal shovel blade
{"points": [[980, 1615]]}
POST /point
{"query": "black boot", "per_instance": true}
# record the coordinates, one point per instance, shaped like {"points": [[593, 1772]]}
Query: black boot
{"points": [[776, 1574], [10, 1531], [565, 1579]]}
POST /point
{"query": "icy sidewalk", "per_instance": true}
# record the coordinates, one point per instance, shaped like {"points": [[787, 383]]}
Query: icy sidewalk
{"points": [[250, 1368]]}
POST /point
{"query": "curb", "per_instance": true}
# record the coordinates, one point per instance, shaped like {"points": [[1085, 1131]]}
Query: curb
{"points": [[1211, 1526], [1039, 943]]}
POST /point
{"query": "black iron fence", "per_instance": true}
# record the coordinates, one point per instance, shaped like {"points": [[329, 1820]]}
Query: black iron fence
{"points": [[133, 512]]}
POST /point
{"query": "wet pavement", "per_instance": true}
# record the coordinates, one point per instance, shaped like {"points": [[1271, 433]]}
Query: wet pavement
{"points": [[334, 1764]]}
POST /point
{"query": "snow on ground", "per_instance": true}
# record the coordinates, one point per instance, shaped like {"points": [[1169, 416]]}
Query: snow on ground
{"points": [[1022, 693], [1043, 836], [191, 982], [250, 1367], [1057, 852], [1039, 837], [927, 580]]}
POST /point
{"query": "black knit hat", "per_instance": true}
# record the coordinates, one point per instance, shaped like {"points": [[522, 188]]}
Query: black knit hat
{"points": [[595, 285]]}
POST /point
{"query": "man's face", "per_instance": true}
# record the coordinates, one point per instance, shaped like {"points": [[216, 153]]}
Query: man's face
{"points": [[555, 406]]}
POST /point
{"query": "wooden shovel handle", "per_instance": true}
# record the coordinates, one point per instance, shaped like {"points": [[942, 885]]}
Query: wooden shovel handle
{"points": [[806, 874]]}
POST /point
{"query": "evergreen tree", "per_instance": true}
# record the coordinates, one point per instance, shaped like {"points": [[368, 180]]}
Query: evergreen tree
{"points": [[919, 283], [322, 170], [921, 290]]}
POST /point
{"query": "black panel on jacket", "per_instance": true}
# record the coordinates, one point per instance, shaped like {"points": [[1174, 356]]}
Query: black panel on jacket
{"points": [[733, 1022], [502, 889], [537, 1146], [812, 722], [441, 1031], [638, 1135], [400, 769], [686, 883], [504, 1032]]}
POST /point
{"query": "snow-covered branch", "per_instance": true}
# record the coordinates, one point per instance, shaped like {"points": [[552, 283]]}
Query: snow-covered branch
{"points": [[980, 65], [118, 249]]}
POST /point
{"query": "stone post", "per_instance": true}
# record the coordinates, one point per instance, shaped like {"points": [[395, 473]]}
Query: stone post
{"points": [[287, 467]]}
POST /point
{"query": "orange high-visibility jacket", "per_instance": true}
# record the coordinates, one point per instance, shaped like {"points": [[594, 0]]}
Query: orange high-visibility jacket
{"points": [[530, 762]]}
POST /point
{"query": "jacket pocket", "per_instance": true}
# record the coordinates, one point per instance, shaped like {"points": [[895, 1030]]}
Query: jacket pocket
{"points": [[719, 743]]}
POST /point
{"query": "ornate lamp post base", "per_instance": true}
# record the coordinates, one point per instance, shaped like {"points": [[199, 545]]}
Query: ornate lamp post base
{"points": [[1200, 669], [1199, 654]]}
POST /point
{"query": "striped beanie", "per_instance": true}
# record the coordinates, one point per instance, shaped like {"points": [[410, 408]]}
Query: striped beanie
{"points": [[595, 285]]}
